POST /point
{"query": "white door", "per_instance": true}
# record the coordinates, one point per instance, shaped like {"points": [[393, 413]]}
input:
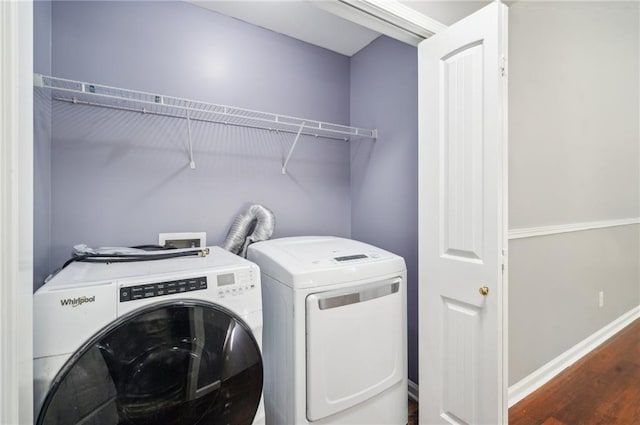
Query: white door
{"points": [[463, 221]]}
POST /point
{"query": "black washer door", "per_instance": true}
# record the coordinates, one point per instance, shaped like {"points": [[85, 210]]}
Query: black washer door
{"points": [[175, 363]]}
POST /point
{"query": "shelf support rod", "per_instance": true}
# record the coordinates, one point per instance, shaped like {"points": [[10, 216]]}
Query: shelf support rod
{"points": [[192, 164], [295, 142]]}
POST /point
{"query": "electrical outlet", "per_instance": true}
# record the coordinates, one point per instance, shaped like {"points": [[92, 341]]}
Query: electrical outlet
{"points": [[601, 299]]}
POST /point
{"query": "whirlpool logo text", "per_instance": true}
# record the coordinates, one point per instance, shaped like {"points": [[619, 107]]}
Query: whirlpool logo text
{"points": [[75, 302]]}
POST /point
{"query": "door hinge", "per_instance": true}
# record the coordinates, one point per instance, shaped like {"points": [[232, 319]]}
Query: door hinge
{"points": [[503, 66], [503, 259]]}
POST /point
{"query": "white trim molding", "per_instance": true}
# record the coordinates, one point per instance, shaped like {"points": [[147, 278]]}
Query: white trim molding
{"points": [[571, 227], [413, 390], [389, 17], [16, 211], [535, 380]]}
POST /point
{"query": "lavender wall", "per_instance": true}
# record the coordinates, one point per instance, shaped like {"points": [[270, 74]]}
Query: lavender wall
{"points": [[42, 144], [120, 178], [384, 174]]}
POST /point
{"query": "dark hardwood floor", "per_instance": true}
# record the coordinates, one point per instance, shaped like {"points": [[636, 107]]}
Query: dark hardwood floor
{"points": [[413, 412], [602, 388]]}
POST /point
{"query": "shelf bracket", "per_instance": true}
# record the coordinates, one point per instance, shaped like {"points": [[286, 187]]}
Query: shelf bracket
{"points": [[38, 80], [295, 142], [192, 164]]}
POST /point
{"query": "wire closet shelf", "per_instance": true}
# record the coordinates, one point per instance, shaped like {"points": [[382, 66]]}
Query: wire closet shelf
{"points": [[84, 93]]}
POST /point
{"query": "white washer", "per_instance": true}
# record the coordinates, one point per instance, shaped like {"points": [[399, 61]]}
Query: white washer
{"points": [[334, 337], [172, 342]]}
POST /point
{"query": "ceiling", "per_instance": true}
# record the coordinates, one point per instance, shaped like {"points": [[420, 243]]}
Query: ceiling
{"points": [[446, 11], [309, 21]]}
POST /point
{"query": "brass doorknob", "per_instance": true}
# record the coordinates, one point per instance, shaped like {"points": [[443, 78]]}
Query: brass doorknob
{"points": [[484, 290]]}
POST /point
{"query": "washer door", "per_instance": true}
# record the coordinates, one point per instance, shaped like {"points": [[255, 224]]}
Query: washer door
{"points": [[175, 363]]}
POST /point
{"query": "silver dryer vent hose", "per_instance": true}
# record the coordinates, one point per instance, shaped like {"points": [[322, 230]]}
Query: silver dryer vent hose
{"points": [[257, 217]]}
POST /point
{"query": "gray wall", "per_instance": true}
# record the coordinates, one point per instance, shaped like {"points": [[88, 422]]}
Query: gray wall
{"points": [[554, 286], [384, 184], [120, 178], [573, 157], [573, 91], [42, 144]]}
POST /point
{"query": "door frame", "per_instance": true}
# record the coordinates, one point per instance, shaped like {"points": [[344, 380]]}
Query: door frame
{"points": [[16, 211], [504, 312]]}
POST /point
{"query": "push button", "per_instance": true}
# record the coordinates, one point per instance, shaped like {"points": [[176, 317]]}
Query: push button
{"points": [[182, 286], [193, 285], [149, 291], [137, 292], [125, 294]]}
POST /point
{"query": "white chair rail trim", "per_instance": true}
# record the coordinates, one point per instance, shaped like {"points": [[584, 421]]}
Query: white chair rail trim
{"points": [[570, 227]]}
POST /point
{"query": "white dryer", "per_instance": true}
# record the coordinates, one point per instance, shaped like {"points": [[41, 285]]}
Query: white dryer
{"points": [[334, 336], [172, 342]]}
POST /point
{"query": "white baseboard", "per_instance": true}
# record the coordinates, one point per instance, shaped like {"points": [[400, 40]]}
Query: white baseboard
{"points": [[413, 390], [535, 380]]}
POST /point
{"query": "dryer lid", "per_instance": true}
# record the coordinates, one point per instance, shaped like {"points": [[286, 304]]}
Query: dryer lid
{"points": [[311, 261], [173, 363]]}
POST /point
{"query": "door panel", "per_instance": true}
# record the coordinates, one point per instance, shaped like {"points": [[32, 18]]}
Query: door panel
{"points": [[462, 143], [460, 370], [462, 221]]}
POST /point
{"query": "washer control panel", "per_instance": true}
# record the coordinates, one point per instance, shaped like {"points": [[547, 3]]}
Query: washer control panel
{"points": [[132, 293], [236, 283]]}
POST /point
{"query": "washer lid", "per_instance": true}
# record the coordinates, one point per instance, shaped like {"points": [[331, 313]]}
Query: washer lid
{"points": [[174, 363], [310, 261]]}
